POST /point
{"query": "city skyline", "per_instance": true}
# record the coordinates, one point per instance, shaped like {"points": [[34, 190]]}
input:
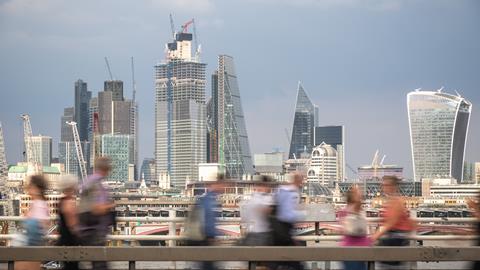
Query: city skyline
{"points": [[429, 61]]}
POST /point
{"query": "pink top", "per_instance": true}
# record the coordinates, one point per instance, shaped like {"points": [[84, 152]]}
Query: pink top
{"points": [[355, 241], [39, 210]]}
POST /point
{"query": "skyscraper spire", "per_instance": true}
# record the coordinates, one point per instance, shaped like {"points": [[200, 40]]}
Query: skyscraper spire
{"points": [[303, 124]]}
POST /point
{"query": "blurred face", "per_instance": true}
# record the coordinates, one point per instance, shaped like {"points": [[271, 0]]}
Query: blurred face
{"points": [[388, 187], [298, 180], [33, 190]]}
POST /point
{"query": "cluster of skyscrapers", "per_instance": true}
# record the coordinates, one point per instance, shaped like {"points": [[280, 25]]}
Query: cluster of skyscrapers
{"points": [[193, 132], [107, 126], [189, 130]]}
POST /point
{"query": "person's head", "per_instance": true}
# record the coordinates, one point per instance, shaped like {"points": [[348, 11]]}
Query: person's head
{"points": [[297, 179], [103, 166], [390, 184], [264, 185], [68, 184], [37, 187], [354, 197]]}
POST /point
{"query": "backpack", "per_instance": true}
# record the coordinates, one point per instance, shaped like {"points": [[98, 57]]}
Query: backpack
{"points": [[195, 223], [88, 198]]}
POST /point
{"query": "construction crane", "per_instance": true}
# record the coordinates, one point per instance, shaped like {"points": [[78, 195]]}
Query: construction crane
{"points": [[31, 157], [108, 68], [186, 25], [172, 26], [78, 148]]}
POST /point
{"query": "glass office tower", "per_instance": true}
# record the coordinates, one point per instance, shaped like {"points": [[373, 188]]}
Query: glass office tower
{"points": [[438, 133], [303, 124], [228, 132]]}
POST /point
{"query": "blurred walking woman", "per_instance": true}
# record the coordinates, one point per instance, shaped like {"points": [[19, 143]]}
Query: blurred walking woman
{"points": [[397, 224], [355, 227], [68, 219], [37, 218]]}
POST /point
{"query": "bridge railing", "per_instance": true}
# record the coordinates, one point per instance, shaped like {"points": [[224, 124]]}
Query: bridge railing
{"points": [[243, 254]]}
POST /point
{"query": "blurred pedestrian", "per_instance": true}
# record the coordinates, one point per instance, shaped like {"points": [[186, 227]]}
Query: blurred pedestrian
{"points": [[255, 213], [355, 227], [37, 218], [397, 224], [201, 223], [475, 206], [95, 209], [68, 217], [285, 214]]}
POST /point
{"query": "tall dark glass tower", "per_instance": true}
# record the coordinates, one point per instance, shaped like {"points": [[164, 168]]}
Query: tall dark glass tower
{"points": [[82, 99], [228, 138], [303, 125]]}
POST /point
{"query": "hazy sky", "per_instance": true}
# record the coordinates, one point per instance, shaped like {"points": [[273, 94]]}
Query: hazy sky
{"points": [[357, 59]]}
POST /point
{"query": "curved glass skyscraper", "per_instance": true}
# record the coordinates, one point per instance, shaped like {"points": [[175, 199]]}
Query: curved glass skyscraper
{"points": [[438, 133]]}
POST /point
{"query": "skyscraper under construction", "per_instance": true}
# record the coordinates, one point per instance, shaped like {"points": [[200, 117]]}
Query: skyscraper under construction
{"points": [[227, 136], [180, 112]]}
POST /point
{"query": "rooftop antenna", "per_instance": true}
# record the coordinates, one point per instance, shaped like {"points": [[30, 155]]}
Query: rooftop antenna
{"points": [[108, 68], [458, 94], [440, 89]]}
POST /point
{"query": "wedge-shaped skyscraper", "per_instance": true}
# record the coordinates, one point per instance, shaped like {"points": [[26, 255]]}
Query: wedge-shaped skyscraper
{"points": [[228, 139], [304, 122], [438, 133]]}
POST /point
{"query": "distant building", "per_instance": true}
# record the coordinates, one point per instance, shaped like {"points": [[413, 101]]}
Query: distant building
{"points": [[116, 88], [378, 171], [67, 155], [82, 99], [42, 146], [477, 172], [269, 163], [303, 125], [180, 113], [148, 171], [110, 113], [209, 171], [3, 158], [438, 133], [334, 136], [323, 166], [118, 148], [66, 134], [468, 172], [297, 165], [228, 133]]}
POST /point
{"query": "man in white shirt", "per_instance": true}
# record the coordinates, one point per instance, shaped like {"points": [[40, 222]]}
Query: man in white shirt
{"points": [[255, 214]]}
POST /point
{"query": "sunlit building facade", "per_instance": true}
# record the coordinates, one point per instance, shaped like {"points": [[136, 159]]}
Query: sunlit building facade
{"points": [[438, 133], [323, 167]]}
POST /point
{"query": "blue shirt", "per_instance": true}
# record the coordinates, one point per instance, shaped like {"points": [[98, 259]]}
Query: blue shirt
{"points": [[208, 202], [288, 200]]}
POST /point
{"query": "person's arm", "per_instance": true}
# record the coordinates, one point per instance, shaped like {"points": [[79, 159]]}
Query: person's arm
{"points": [[397, 209], [475, 206]]}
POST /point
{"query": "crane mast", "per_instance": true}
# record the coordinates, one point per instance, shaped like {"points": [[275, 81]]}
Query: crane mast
{"points": [[31, 157], [78, 148]]}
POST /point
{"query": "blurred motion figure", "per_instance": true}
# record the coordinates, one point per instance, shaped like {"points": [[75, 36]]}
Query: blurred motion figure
{"points": [[95, 209], [475, 206], [255, 213], [355, 227], [68, 217]]}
